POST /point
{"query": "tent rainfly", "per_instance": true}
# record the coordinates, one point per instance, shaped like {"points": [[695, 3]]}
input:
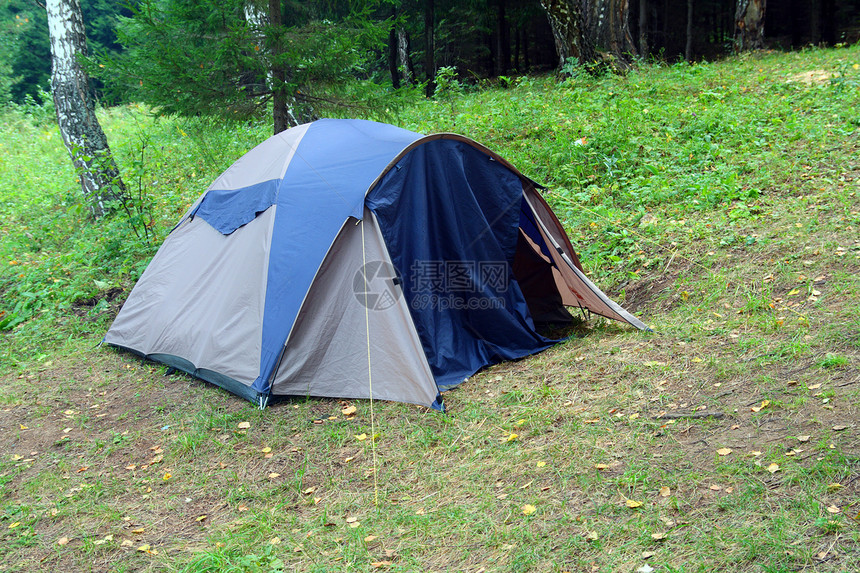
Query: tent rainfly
{"points": [[343, 244]]}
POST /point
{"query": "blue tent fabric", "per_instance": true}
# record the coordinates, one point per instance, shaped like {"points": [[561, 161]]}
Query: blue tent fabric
{"points": [[450, 216], [228, 209], [326, 182]]}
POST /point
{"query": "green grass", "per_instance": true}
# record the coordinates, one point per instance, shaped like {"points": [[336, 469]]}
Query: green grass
{"points": [[717, 200]]}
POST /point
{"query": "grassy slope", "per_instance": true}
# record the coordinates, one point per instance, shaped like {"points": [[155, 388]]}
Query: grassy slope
{"points": [[719, 201]]}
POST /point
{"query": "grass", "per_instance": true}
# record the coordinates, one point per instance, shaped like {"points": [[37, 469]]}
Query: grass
{"points": [[718, 201]]}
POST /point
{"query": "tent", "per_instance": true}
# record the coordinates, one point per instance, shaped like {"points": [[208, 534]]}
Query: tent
{"points": [[355, 259]]}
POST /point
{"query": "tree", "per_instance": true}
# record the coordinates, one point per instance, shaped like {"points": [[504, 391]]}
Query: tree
{"points": [[749, 25], [76, 117], [223, 58], [567, 20]]}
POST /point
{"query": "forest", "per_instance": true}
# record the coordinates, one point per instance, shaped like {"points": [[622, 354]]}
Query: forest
{"points": [[707, 176]]}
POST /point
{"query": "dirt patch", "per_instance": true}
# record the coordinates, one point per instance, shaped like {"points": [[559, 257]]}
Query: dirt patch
{"points": [[812, 77]]}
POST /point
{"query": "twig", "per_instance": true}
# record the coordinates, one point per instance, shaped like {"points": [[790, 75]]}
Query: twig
{"points": [[689, 415]]}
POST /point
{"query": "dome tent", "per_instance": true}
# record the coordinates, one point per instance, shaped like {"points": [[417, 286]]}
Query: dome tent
{"points": [[339, 238]]}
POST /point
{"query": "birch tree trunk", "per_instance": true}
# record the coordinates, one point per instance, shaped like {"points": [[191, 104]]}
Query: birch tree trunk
{"points": [[749, 25], [566, 21], [76, 117]]}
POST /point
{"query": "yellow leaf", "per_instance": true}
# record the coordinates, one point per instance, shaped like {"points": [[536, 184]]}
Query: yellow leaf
{"points": [[23, 427], [309, 490], [520, 422], [355, 524], [803, 438], [730, 489], [266, 450], [167, 476], [275, 541], [361, 437], [632, 504], [63, 541], [814, 386], [274, 475], [16, 457], [317, 500], [591, 536], [665, 491], [755, 453], [14, 525], [201, 518], [528, 509], [724, 451], [834, 486], [244, 425], [633, 416], [833, 509], [510, 438], [145, 548], [773, 468], [660, 536], [138, 530], [601, 466], [351, 519], [369, 538], [697, 359], [348, 411], [541, 464]]}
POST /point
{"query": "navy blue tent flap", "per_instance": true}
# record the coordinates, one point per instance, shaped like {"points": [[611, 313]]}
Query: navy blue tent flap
{"points": [[229, 209], [450, 216]]}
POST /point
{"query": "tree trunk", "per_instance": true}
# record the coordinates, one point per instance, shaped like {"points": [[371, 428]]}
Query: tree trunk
{"points": [[76, 117], [688, 49], [749, 25], [643, 28], [404, 60], [503, 46], [607, 27], [566, 21], [430, 46], [280, 113], [392, 57]]}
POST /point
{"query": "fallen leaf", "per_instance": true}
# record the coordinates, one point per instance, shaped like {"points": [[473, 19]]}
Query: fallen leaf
{"points": [[266, 450], [773, 468], [317, 500], [351, 519], [648, 554], [645, 569], [14, 525], [755, 453], [138, 530], [724, 451], [659, 536], [361, 437], [348, 411], [309, 490], [668, 522], [510, 438], [378, 564], [601, 466], [665, 491], [716, 487], [369, 538], [803, 438], [632, 504], [275, 541], [243, 425], [355, 524], [835, 486], [839, 428], [167, 476], [730, 489], [591, 536], [541, 464], [126, 543], [201, 518], [130, 467], [63, 541], [274, 475], [813, 386], [528, 509], [833, 509]]}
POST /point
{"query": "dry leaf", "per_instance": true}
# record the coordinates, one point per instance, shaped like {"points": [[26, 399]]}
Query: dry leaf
{"points": [[833, 509], [601, 466], [541, 464], [167, 477], [317, 500], [351, 519], [355, 524], [127, 543], [813, 386], [510, 437], [755, 453], [660, 536], [138, 530], [14, 525], [528, 509], [839, 428], [369, 538], [648, 554], [274, 475], [244, 425], [266, 450], [309, 490], [773, 468], [63, 541], [724, 451], [632, 504], [665, 491], [201, 518], [803, 438], [716, 487], [730, 489], [275, 541], [591, 536], [348, 411], [361, 437], [834, 486], [378, 564]]}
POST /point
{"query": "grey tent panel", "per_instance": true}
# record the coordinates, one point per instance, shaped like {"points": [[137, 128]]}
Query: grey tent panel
{"points": [[326, 354], [201, 299]]}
